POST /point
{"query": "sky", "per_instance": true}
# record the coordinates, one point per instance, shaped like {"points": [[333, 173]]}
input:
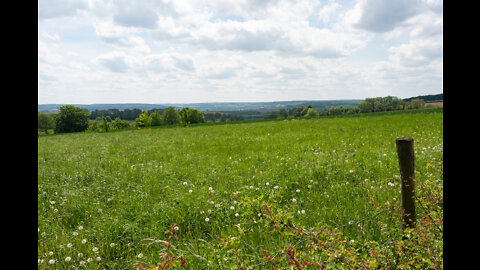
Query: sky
{"points": [[181, 51]]}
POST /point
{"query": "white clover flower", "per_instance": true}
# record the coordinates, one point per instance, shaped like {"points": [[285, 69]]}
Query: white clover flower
{"points": [[275, 187], [112, 244], [207, 219], [234, 202], [67, 259], [69, 245], [75, 233], [185, 183], [52, 261], [259, 214], [232, 208], [80, 227], [351, 171], [267, 183], [94, 249], [190, 191], [55, 210], [303, 211], [298, 190], [84, 241], [82, 262], [210, 188], [52, 202], [294, 200], [98, 259], [201, 212], [89, 259], [236, 214], [140, 255], [50, 253], [209, 211], [309, 186], [80, 255]]}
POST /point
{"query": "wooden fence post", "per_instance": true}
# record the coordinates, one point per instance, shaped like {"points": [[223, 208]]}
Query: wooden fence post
{"points": [[406, 162]]}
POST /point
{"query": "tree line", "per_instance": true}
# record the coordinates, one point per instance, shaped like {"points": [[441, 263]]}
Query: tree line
{"points": [[377, 104], [75, 119]]}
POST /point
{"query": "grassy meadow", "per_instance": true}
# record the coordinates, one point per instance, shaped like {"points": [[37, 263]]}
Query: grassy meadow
{"points": [[239, 196]]}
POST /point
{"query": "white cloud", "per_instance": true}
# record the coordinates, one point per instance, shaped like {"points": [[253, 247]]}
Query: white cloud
{"points": [[114, 61], [48, 9], [242, 50], [382, 16]]}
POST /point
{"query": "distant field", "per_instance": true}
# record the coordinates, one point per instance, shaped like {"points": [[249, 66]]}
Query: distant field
{"points": [[108, 200], [434, 104]]}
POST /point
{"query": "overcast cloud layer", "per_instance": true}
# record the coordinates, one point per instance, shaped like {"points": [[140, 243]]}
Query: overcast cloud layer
{"points": [[179, 51]]}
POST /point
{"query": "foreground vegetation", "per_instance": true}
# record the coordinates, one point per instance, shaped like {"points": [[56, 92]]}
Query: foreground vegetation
{"points": [[272, 195]]}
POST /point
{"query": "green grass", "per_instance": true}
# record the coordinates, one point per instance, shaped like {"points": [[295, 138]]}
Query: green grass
{"points": [[129, 186]]}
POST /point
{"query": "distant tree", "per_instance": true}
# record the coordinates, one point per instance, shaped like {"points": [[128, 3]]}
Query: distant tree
{"points": [[311, 112], [190, 116], [143, 120], [365, 107], [46, 121], [105, 123], [195, 116], [156, 118], [337, 110], [322, 112], [71, 119], [170, 116], [118, 123], [298, 111], [417, 103]]}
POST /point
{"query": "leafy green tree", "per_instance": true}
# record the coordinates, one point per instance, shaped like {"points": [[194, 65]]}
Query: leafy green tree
{"points": [[195, 116], [46, 121], [365, 107], [170, 116], [71, 119], [143, 120], [105, 124], [118, 123], [337, 110], [156, 118], [298, 111], [190, 116], [311, 112], [417, 103]]}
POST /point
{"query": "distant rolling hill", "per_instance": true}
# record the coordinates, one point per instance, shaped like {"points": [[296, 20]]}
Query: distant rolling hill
{"points": [[213, 106]]}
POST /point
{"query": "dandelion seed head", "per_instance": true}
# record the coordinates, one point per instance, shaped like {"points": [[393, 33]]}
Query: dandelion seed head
{"points": [[207, 219], [67, 259]]}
